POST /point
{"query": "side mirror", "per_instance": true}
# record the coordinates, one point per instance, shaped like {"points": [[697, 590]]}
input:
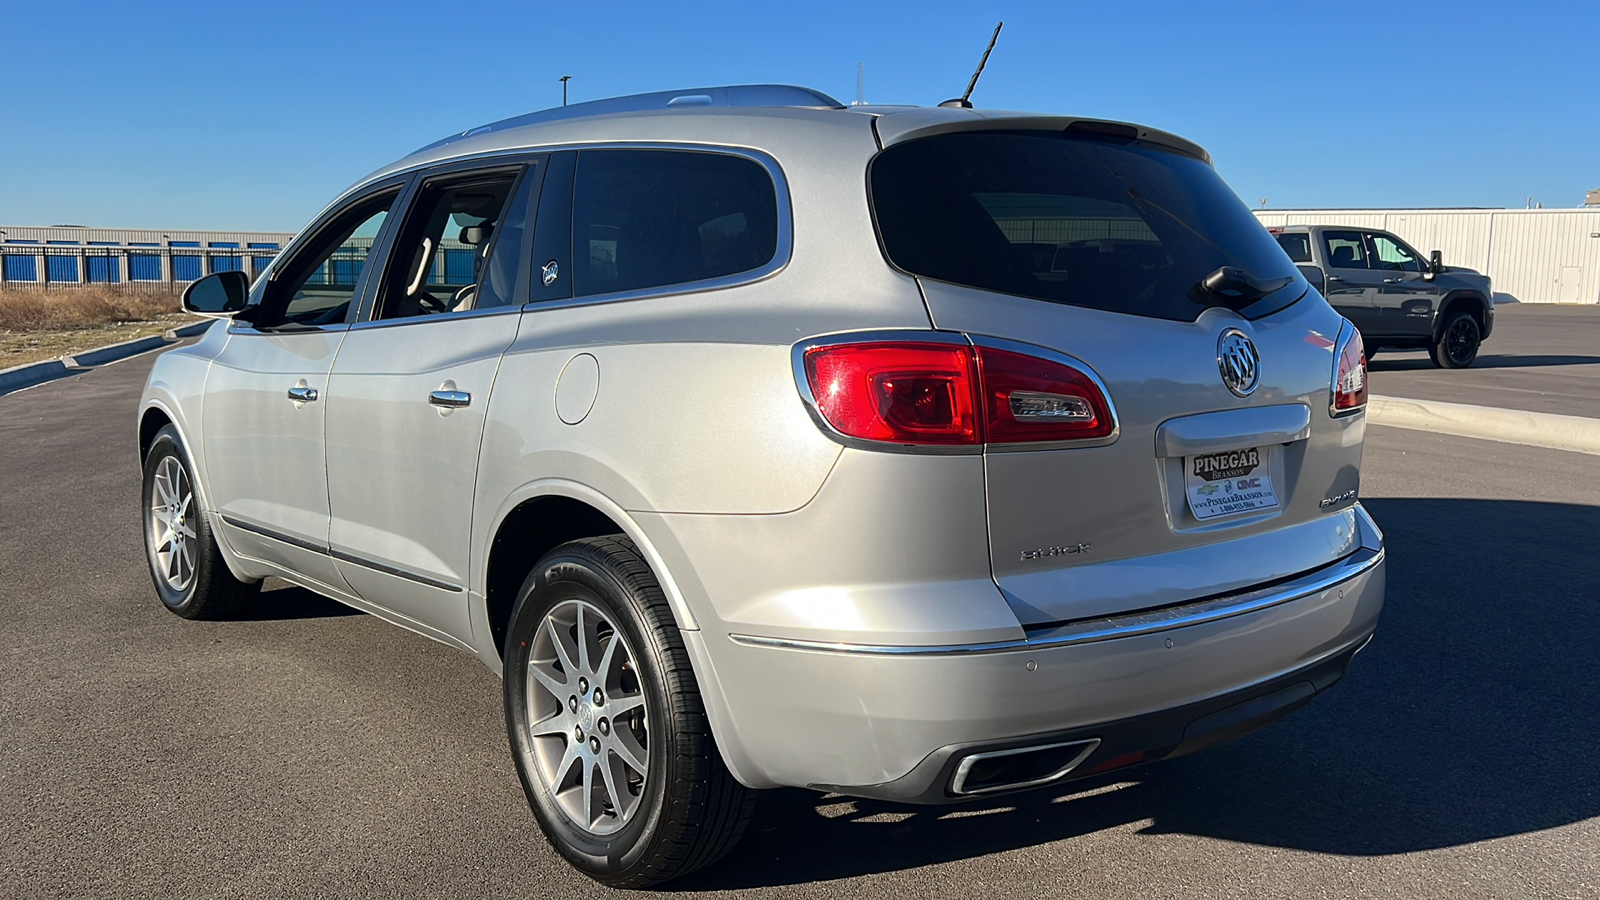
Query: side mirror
{"points": [[1315, 275], [1435, 262], [218, 295]]}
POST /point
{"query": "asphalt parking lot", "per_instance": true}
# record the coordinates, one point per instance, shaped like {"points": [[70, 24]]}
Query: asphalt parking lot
{"points": [[312, 751], [1537, 359]]}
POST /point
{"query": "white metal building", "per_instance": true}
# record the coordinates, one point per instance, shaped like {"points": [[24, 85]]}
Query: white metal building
{"points": [[1532, 255]]}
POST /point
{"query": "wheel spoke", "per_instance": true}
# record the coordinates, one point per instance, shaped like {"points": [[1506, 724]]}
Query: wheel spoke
{"points": [[609, 784], [558, 639], [557, 724], [602, 672], [550, 683], [617, 706], [583, 644], [624, 747], [588, 794], [186, 531]]}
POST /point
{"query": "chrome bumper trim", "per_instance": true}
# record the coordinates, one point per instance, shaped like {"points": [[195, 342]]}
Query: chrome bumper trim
{"points": [[1110, 628]]}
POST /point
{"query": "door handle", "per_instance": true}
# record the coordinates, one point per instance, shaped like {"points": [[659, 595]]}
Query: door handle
{"points": [[450, 399], [1391, 281], [1334, 278], [303, 394]]}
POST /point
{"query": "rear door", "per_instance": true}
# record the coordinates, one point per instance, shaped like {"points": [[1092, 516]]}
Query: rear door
{"points": [[1094, 249], [407, 395], [1354, 287]]}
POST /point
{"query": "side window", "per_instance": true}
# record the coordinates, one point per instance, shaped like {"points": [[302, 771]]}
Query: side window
{"points": [[1298, 246], [1389, 253], [442, 254], [651, 218], [316, 286], [1345, 249]]}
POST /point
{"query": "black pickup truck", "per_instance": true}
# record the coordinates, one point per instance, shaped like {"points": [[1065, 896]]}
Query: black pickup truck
{"points": [[1397, 299]]}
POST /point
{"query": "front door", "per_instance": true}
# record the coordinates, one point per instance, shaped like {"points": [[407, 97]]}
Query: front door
{"points": [[407, 396], [265, 397], [1406, 297]]}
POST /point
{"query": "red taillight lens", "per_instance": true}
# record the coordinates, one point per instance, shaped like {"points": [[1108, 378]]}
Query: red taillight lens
{"points": [[1031, 399], [907, 393], [916, 392], [1349, 375]]}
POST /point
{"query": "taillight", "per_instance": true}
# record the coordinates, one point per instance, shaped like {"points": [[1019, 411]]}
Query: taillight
{"points": [[1349, 374], [1031, 399], [920, 392]]}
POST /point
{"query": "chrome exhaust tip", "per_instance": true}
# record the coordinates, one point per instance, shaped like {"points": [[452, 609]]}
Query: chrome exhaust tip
{"points": [[993, 771]]}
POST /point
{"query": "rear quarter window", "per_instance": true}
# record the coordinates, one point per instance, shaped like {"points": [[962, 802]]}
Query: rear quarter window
{"points": [[1126, 228], [653, 218], [1297, 246]]}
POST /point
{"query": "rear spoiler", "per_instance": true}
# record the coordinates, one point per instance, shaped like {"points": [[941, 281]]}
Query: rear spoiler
{"points": [[898, 127]]}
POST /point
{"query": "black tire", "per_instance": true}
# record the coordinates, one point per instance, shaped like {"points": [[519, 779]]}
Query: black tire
{"points": [[209, 591], [689, 811], [1458, 342]]}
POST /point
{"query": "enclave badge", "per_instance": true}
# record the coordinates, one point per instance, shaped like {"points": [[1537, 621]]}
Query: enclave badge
{"points": [[1238, 361]]}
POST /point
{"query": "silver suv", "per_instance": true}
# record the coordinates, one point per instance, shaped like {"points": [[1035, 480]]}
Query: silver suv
{"points": [[914, 454]]}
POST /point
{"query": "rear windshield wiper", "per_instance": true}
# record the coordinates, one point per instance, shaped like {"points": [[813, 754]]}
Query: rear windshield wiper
{"points": [[1234, 287]]}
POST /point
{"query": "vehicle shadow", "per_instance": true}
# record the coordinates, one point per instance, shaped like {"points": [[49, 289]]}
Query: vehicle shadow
{"points": [[282, 601], [1474, 714], [1386, 363]]}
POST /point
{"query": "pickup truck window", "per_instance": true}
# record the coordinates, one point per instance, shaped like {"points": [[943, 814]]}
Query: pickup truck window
{"points": [[1345, 249], [1392, 255], [1298, 246]]}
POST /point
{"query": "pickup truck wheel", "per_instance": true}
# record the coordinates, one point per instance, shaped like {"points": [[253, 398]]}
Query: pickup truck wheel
{"points": [[607, 730], [188, 570], [1458, 342]]}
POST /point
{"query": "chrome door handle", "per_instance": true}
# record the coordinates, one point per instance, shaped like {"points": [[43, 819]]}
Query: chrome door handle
{"points": [[450, 399], [1391, 281], [303, 394], [1334, 278]]}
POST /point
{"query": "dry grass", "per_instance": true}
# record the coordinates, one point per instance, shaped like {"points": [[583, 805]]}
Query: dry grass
{"points": [[39, 325], [27, 311]]}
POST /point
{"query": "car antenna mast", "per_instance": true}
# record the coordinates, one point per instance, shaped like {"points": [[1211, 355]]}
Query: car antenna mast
{"points": [[964, 101]]}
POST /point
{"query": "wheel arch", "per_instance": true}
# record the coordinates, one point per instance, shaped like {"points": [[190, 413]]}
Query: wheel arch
{"points": [[158, 412], [540, 517], [1468, 300]]}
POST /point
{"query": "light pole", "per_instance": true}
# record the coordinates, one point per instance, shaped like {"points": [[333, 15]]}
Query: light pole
{"points": [[564, 80]]}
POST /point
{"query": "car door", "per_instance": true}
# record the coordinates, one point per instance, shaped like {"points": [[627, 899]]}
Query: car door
{"points": [[1352, 285], [1407, 298], [265, 392], [406, 398]]}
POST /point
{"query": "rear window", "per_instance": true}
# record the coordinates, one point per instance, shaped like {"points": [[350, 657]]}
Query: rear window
{"points": [[1298, 246], [1120, 227]]}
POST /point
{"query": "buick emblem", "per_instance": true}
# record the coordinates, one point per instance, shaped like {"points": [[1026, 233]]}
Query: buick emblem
{"points": [[1239, 362]]}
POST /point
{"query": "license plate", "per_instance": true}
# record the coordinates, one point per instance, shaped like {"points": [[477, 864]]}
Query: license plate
{"points": [[1222, 484]]}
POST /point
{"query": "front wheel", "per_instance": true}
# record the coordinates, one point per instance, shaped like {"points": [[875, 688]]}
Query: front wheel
{"points": [[1458, 342], [190, 575], [606, 725]]}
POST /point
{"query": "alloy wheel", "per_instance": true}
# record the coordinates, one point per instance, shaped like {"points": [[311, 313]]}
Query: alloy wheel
{"points": [[589, 722], [1459, 340], [171, 523]]}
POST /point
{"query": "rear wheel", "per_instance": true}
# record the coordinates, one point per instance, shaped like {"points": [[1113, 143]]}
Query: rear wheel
{"points": [[190, 575], [609, 736], [1458, 342]]}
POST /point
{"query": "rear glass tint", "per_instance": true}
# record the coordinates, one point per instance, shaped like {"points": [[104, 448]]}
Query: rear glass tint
{"points": [[651, 218], [1298, 246], [1120, 227]]}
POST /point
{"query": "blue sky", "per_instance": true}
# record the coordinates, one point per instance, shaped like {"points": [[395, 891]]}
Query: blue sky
{"points": [[252, 116]]}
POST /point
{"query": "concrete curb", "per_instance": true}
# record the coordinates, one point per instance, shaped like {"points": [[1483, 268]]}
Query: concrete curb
{"points": [[19, 377], [1575, 433]]}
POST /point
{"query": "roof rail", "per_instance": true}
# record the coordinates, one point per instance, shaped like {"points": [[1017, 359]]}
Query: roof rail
{"points": [[737, 95]]}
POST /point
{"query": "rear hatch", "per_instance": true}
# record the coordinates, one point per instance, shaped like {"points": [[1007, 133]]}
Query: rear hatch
{"points": [[1090, 242]]}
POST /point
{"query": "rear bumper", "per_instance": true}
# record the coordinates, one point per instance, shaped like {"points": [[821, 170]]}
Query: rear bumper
{"points": [[896, 721]]}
